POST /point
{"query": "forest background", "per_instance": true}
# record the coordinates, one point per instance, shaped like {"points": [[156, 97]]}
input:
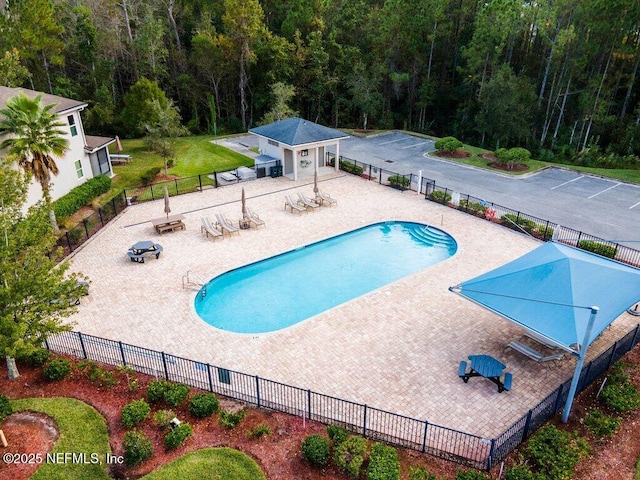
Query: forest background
{"points": [[558, 77]]}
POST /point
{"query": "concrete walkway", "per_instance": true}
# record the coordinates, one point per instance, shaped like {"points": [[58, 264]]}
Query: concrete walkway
{"points": [[396, 348]]}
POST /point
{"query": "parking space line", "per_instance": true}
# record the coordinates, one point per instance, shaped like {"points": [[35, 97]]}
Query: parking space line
{"points": [[392, 141], [596, 194], [416, 145], [562, 184], [634, 205]]}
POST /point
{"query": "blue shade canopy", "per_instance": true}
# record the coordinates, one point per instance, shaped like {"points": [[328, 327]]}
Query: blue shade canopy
{"points": [[550, 291]]}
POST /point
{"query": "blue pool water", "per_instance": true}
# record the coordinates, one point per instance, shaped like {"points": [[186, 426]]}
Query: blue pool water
{"points": [[280, 291]]}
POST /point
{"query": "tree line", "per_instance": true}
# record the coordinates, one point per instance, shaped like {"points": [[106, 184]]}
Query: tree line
{"points": [[555, 76]]}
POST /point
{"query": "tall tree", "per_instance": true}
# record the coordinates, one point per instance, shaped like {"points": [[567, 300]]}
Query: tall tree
{"points": [[36, 294], [243, 23], [282, 95], [34, 139]]}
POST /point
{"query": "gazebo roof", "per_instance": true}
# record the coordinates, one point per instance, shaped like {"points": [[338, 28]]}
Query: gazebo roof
{"points": [[297, 131], [551, 290]]}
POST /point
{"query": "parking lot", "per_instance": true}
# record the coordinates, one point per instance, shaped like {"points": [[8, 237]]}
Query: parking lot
{"points": [[605, 208]]}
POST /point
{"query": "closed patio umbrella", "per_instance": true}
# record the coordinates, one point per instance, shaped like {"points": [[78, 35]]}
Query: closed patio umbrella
{"points": [[244, 205], [315, 182], [118, 144], [167, 208]]}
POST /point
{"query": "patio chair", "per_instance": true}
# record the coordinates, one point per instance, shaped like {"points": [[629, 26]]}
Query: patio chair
{"points": [[254, 218], [209, 229], [225, 225], [306, 202], [293, 206], [323, 198]]}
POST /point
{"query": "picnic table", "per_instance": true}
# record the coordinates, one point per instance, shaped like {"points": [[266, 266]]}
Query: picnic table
{"points": [[488, 367], [144, 249], [169, 223]]}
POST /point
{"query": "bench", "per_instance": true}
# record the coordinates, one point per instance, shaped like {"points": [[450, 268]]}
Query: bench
{"points": [[120, 158], [508, 380], [139, 257], [462, 370], [170, 227], [533, 354]]}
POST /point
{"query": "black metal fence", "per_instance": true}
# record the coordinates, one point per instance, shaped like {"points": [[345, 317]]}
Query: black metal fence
{"points": [[421, 435]]}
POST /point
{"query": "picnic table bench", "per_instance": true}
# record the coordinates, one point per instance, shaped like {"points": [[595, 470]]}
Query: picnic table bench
{"points": [[168, 224], [488, 367]]}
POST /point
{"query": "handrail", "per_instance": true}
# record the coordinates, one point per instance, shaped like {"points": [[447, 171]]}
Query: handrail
{"points": [[198, 281]]}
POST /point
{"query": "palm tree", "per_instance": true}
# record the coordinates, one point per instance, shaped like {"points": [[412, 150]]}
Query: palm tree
{"points": [[34, 140]]}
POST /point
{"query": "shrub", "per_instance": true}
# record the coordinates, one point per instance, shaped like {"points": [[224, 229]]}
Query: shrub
{"points": [[80, 196], [349, 455], [420, 473], [5, 407], [600, 424], [448, 144], [620, 397], [162, 418], [383, 463], [230, 419], [97, 375], [520, 472], [156, 390], [259, 431], [554, 453], [399, 181], [178, 435], [351, 167], [337, 434], [440, 197], [513, 156], [315, 450], [608, 251], [203, 405], [35, 358], [470, 475], [147, 177], [57, 369], [510, 220], [137, 448], [176, 394], [134, 412], [472, 207], [130, 375]]}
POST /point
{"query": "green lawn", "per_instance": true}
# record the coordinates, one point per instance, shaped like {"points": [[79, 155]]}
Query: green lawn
{"points": [[81, 430], [210, 463], [194, 155]]}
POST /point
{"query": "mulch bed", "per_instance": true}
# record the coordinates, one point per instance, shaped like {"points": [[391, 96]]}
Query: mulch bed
{"points": [[456, 154]]}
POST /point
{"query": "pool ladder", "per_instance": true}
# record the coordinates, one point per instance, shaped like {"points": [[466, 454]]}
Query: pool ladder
{"points": [[192, 279]]}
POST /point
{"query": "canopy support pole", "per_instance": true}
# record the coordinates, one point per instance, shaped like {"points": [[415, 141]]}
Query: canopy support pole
{"points": [[582, 353]]}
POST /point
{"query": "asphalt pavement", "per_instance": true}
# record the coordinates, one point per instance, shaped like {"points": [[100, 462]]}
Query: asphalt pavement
{"points": [[602, 207]]}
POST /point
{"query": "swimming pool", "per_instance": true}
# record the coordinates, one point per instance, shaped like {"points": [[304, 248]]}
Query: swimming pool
{"points": [[283, 290]]}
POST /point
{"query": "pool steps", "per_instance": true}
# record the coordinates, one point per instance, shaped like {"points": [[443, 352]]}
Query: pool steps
{"points": [[433, 237]]}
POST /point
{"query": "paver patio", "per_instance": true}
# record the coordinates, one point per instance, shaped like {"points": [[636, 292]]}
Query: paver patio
{"points": [[396, 348]]}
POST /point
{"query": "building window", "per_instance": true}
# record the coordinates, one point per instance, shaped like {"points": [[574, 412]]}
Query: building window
{"points": [[72, 125], [304, 153], [78, 165], [274, 143]]}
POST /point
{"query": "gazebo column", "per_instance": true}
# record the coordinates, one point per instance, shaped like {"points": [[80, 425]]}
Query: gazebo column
{"points": [[316, 163], [337, 162], [295, 164]]}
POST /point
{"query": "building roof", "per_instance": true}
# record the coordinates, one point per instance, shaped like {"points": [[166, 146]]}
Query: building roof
{"points": [[61, 104], [95, 143], [297, 131]]}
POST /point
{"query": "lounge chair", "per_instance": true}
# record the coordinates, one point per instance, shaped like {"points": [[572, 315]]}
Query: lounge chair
{"points": [[534, 354], [293, 206], [254, 218], [225, 225], [306, 202], [323, 198], [209, 229]]}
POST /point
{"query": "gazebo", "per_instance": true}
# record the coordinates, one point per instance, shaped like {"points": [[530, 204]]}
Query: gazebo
{"points": [[566, 295], [297, 145]]}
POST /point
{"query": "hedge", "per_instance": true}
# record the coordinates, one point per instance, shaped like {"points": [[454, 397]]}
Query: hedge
{"points": [[77, 198]]}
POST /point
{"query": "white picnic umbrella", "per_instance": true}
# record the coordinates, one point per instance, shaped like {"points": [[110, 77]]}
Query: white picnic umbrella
{"points": [[167, 208], [315, 182], [118, 144]]}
